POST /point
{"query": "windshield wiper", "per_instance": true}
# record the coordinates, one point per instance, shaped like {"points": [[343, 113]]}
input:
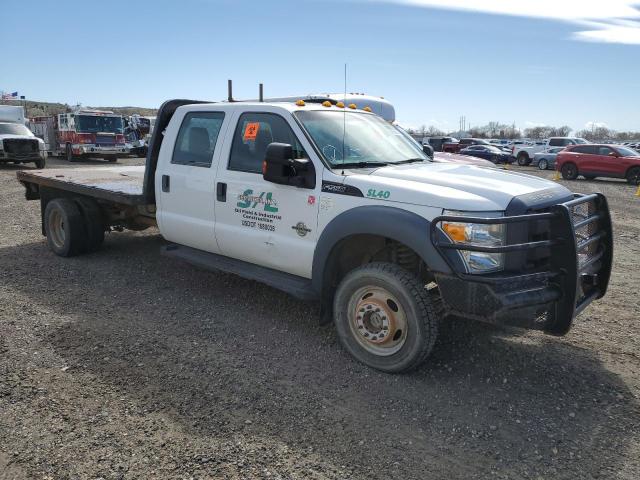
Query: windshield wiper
{"points": [[410, 160], [360, 164]]}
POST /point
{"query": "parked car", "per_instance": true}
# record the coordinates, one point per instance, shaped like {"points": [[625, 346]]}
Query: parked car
{"points": [[488, 152], [547, 159], [463, 159], [456, 146], [437, 142], [599, 160], [525, 153]]}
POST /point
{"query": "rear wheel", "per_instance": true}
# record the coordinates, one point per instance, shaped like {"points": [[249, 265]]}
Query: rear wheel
{"points": [[523, 159], [633, 176], [385, 318], [41, 163], [63, 225], [569, 171], [543, 164], [112, 159]]}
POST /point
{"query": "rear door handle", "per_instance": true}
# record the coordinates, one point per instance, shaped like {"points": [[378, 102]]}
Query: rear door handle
{"points": [[166, 184], [221, 192]]}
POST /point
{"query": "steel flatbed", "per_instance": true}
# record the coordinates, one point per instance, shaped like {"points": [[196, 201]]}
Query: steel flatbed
{"points": [[121, 185]]}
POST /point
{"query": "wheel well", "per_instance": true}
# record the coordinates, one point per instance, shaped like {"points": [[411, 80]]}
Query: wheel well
{"points": [[632, 167], [356, 250], [523, 154]]}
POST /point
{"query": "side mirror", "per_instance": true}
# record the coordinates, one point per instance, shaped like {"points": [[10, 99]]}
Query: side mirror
{"points": [[428, 149], [280, 167], [614, 154]]}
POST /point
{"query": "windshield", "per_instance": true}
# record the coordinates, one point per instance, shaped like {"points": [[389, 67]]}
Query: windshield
{"points": [[95, 124], [368, 139], [14, 129], [627, 152]]}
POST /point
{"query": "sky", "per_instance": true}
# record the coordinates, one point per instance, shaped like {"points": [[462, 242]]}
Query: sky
{"points": [[532, 62]]}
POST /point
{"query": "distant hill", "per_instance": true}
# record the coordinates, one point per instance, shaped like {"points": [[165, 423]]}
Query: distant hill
{"points": [[37, 109]]}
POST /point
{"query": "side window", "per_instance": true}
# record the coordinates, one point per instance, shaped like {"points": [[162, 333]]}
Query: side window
{"points": [[556, 142], [604, 150], [197, 139], [579, 149], [254, 132]]}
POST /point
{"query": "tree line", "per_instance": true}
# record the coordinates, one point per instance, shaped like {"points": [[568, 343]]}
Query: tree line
{"points": [[501, 130]]}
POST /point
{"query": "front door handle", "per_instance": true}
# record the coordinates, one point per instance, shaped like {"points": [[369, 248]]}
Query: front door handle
{"points": [[166, 184], [221, 192]]}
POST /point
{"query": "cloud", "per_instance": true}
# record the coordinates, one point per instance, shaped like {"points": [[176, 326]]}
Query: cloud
{"points": [[611, 21]]}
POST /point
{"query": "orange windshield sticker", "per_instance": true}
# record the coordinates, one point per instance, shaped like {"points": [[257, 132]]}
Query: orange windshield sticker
{"points": [[251, 131]]}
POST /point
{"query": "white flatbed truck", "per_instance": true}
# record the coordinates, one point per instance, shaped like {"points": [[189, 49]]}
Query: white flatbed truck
{"points": [[334, 205]]}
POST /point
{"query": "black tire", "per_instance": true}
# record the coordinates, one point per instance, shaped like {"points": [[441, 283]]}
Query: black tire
{"points": [[93, 223], [64, 228], [69, 153], [543, 164], [41, 163], [112, 158], [633, 176], [523, 159], [410, 345], [569, 171]]}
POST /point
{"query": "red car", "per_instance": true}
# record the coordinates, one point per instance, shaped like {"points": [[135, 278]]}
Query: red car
{"points": [[596, 160]]}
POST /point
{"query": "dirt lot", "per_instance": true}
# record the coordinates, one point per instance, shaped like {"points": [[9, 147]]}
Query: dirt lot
{"points": [[123, 364]]}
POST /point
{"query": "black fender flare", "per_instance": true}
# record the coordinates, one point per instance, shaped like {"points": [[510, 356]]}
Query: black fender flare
{"points": [[395, 223]]}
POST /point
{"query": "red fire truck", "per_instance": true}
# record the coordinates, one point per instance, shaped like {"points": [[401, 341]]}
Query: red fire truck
{"points": [[83, 133]]}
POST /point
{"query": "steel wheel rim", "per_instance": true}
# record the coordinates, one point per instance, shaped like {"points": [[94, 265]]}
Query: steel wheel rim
{"points": [[56, 229], [542, 165], [377, 321]]}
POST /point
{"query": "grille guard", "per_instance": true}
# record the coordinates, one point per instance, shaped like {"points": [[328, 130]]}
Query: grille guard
{"points": [[578, 282]]}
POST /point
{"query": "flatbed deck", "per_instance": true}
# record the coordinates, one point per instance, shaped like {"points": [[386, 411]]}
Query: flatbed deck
{"points": [[122, 185]]}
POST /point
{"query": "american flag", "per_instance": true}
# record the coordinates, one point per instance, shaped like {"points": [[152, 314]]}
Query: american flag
{"points": [[10, 96]]}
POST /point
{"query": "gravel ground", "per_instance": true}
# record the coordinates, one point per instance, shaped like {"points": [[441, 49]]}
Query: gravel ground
{"points": [[124, 364]]}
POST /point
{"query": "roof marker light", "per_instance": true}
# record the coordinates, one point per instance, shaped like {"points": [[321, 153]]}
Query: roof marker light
{"points": [[352, 106], [326, 103], [367, 109], [340, 105], [300, 103]]}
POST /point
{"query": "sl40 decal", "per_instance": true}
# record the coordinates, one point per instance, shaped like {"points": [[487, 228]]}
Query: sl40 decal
{"points": [[373, 193]]}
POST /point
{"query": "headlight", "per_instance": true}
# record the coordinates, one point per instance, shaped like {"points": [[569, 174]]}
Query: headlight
{"points": [[480, 235]]}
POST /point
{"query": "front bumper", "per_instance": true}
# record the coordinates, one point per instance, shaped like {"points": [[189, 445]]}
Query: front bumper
{"points": [[22, 157], [562, 268], [88, 149]]}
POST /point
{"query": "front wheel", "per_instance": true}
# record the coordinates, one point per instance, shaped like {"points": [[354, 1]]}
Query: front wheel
{"points": [[633, 176], [385, 318], [112, 158], [569, 171], [543, 164], [69, 153], [41, 163]]}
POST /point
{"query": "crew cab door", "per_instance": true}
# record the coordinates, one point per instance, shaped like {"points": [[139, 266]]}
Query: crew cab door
{"points": [[257, 221], [185, 178]]}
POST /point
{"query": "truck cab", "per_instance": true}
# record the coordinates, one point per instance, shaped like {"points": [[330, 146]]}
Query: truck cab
{"points": [[18, 144], [334, 204]]}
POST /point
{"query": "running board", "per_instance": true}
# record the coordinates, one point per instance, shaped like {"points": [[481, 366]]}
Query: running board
{"points": [[294, 285]]}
